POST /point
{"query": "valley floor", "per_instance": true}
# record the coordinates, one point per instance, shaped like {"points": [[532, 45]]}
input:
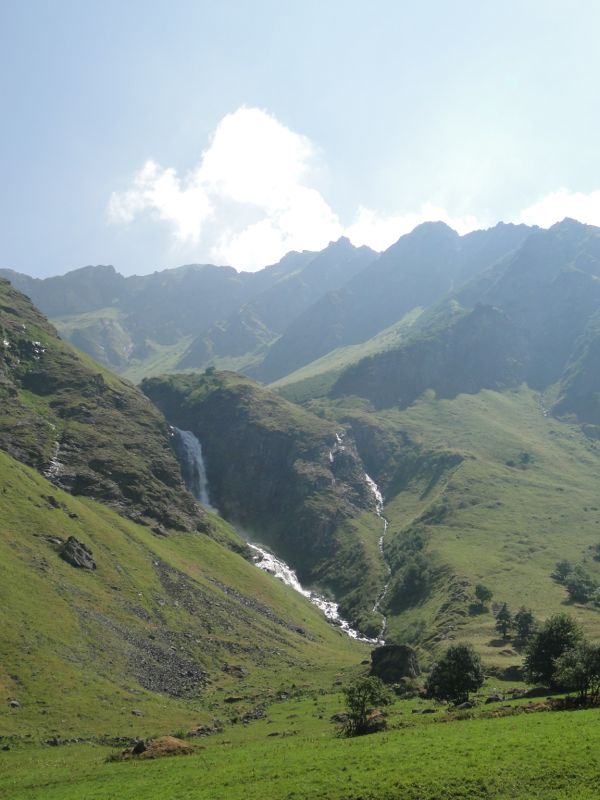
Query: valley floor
{"points": [[295, 753]]}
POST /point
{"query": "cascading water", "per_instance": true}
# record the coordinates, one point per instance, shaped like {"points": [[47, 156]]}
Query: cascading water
{"points": [[381, 596], [279, 569], [193, 470]]}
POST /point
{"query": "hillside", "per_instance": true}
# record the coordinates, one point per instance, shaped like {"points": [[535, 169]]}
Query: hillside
{"points": [[287, 478], [153, 638], [87, 430]]}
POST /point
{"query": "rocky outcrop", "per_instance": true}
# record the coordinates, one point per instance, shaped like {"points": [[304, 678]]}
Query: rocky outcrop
{"points": [[392, 662], [77, 554]]}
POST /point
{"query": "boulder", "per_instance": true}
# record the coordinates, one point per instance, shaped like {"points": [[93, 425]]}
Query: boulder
{"points": [[77, 554], [465, 705], [392, 662], [494, 698]]}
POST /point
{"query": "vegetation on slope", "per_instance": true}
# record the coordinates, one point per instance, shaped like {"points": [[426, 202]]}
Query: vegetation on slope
{"points": [[151, 640], [286, 477], [90, 432]]}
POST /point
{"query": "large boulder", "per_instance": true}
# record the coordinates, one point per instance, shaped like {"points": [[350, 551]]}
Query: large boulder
{"points": [[77, 554], [392, 662]]}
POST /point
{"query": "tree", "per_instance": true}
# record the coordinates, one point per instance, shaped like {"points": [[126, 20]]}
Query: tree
{"points": [[578, 670], [557, 635], [457, 673], [483, 594], [362, 697], [504, 621], [524, 624], [562, 570], [580, 586]]}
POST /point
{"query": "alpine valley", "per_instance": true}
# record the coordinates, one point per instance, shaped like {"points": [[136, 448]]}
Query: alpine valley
{"points": [[227, 497]]}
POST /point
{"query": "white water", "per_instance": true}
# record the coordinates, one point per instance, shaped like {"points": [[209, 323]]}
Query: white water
{"points": [[279, 569], [379, 511], [193, 469]]}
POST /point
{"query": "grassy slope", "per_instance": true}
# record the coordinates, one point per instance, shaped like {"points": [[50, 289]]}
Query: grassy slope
{"points": [[485, 521], [73, 642], [549, 756], [318, 377]]}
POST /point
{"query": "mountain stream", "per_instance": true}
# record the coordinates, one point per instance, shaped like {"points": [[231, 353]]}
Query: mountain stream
{"points": [[193, 470]]}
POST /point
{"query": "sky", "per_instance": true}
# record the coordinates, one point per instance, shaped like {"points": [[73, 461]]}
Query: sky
{"points": [[151, 134]]}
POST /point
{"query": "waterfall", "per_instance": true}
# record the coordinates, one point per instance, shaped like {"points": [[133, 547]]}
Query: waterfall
{"points": [[275, 566], [378, 497], [189, 453]]}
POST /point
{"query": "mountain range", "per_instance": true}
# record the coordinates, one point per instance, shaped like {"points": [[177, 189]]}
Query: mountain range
{"points": [[400, 427]]}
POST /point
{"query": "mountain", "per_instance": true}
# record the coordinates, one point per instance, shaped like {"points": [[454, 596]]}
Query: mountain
{"points": [[418, 270], [90, 432], [259, 323], [125, 606], [189, 316], [287, 478]]}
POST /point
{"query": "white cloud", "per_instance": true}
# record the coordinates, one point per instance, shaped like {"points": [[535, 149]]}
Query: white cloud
{"points": [[379, 232], [254, 166], [560, 204], [249, 201]]}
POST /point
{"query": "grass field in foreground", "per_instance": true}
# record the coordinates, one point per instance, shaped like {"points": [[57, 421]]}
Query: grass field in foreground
{"points": [[547, 755]]}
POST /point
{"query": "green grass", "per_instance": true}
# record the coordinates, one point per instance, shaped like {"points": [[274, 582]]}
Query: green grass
{"points": [[317, 378], [547, 755], [482, 519], [72, 640]]}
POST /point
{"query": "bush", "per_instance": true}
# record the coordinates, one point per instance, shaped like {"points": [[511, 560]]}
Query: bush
{"points": [[457, 673], [562, 570], [580, 586], [557, 635], [362, 697], [483, 594]]}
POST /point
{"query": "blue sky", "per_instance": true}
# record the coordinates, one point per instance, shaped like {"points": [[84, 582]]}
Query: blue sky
{"points": [[148, 134]]}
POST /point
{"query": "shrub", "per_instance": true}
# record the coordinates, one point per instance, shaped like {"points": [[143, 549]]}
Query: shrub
{"points": [[483, 594], [457, 673], [580, 586], [362, 697], [562, 570]]}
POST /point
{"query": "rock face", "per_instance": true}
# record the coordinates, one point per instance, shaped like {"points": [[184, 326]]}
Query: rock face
{"points": [[77, 554], [392, 662]]}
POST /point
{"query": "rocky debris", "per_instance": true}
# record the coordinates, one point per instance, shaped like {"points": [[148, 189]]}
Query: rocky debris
{"points": [[465, 705], [163, 665], [392, 662], [137, 713], [537, 691], [207, 730], [494, 698], [259, 712], [157, 748], [77, 554], [340, 718], [236, 670]]}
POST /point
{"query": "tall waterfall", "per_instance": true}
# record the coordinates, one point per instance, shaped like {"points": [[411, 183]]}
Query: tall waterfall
{"points": [[189, 452]]}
